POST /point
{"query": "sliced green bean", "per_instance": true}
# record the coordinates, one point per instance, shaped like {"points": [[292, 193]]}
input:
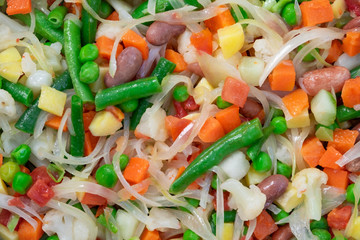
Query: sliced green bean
{"points": [[57, 15], [19, 92], [89, 23], [77, 140], [137, 114]]}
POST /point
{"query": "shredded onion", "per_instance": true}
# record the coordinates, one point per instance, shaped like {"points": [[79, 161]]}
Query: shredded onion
{"points": [[251, 229], [151, 7], [40, 123], [300, 224], [238, 228], [355, 212], [352, 154], [332, 197], [219, 210]]}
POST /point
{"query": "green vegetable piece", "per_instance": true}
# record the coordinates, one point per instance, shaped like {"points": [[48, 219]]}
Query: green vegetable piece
{"points": [[254, 150], [8, 171], [323, 106], [193, 202], [89, 52], [130, 105], [277, 112], [288, 13], [343, 20], [324, 134], [21, 182], [89, 72], [78, 206], [350, 197], [333, 126], [180, 93], [242, 136], [262, 163], [106, 176], [190, 235], [281, 215], [13, 222], [279, 124], [321, 224], [19, 92], [214, 181], [77, 141], [142, 9], [279, 6], [344, 113], [128, 91], [355, 72], [21, 154], [124, 160], [194, 3], [55, 172], [221, 103], [244, 14], [309, 57], [283, 169], [137, 114], [163, 68], [57, 15], [341, 238], [53, 237], [105, 9], [89, 23], [322, 234]]}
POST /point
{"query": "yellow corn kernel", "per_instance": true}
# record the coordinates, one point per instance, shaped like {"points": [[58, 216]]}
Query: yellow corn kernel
{"points": [[231, 39], [10, 64], [254, 177], [201, 89], [52, 100], [104, 124], [289, 200], [301, 120]]}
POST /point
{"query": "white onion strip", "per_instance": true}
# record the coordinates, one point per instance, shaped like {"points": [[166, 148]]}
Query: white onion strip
{"points": [[352, 154]]}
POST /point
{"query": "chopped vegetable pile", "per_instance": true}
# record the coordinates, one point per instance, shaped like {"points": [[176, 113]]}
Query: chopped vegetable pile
{"points": [[179, 119]]}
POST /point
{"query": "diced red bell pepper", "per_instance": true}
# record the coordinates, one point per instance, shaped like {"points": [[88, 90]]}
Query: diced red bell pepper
{"points": [[265, 226], [4, 217], [235, 91], [190, 105], [40, 192], [41, 173], [339, 217], [180, 111]]}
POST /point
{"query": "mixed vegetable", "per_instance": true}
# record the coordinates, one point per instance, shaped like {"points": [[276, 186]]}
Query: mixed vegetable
{"points": [[179, 119]]}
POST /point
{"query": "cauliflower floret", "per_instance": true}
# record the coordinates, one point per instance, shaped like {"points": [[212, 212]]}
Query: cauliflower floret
{"points": [[152, 124], [7, 103], [37, 80], [243, 196], [235, 165], [308, 182], [264, 49], [27, 64], [43, 144], [283, 155], [186, 48]]}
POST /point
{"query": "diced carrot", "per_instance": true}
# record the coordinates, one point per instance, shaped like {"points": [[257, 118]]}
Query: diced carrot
{"points": [[316, 12], [211, 130], [150, 235], [339, 217], [175, 125], [114, 16], [202, 41], [229, 118], [296, 102], [180, 171], [337, 178], [18, 7], [87, 118], [27, 232], [265, 225], [105, 46], [312, 151], [176, 58], [116, 112], [90, 143], [283, 76], [351, 43], [351, 92], [235, 91], [24, 169], [91, 199], [221, 20], [74, 8], [132, 39], [343, 140], [136, 170], [1, 159], [141, 188], [139, 135], [334, 52], [54, 122], [100, 210], [330, 157]]}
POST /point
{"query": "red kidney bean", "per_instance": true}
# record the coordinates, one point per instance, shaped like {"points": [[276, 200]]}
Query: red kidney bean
{"points": [[283, 233], [251, 109], [353, 6], [195, 68], [160, 33], [354, 23], [128, 64], [273, 187], [325, 78]]}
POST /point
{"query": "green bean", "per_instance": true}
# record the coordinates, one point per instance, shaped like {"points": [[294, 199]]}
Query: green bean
{"points": [[72, 48], [142, 9], [57, 15], [137, 114], [243, 13], [43, 26], [190, 235], [242, 136], [254, 150], [105, 9], [344, 113], [19, 92], [163, 68], [127, 91], [355, 72], [27, 121], [89, 24], [321, 224], [77, 140]]}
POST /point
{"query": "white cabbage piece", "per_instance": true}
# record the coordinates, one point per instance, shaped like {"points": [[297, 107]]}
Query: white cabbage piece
{"points": [[162, 219], [7, 103], [43, 144], [127, 223], [152, 124], [235, 165], [54, 57], [27, 64], [283, 155], [264, 49], [13, 138], [186, 48]]}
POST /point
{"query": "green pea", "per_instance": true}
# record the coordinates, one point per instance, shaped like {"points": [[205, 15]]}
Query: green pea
{"points": [[321, 224], [343, 238], [180, 93], [8, 171], [221, 103], [288, 13], [322, 234], [21, 154], [283, 169], [262, 163], [124, 160], [214, 182], [89, 72], [106, 176], [309, 57], [53, 237], [89, 52], [190, 235], [350, 197], [282, 214], [21, 182], [129, 106], [279, 124]]}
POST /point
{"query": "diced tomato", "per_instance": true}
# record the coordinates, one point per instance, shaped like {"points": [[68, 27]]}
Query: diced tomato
{"points": [[190, 105], [91, 199], [4, 217], [41, 173], [40, 192], [16, 201], [175, 125], [235, 91], [265, 226], [339, 217], [244, 237], [180, 111], [202, 41], [88, 117]]}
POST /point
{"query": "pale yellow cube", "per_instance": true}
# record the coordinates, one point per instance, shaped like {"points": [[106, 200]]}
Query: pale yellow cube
{"points": [[52, 100], [5, 233], [254, 177], [231, 39], [289, 200], [338, 7], [354, 230], [228, 231], [10, 64], [301, 120], [201, 89], [104, 124], [3, 188]]}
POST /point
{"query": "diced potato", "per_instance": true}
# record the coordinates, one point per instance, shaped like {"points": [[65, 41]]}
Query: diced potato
{"points": [[231, 39], [104, 124], [228, 231], [289, 200], [354, 230], [52, 100], [5, 234], [201, 89], [192, 116], [99, 84], [301, 120], [254, 177], [10, 64], [127, 223], [3, 188], [338, 7]]}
